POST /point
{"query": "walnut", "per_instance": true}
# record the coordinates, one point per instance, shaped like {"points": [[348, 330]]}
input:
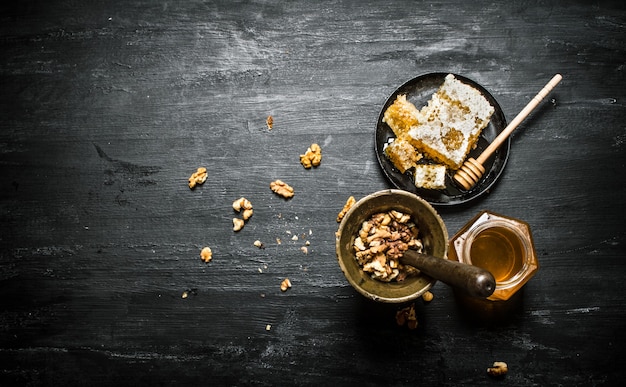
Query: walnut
{"points": [[349, 203], [381, 242], [286, 284], [206, 254], [499, 368], [198, 177], [407, 316], [312, 157], [281, 188], [238, 224], [245, 205], [239, 205]]}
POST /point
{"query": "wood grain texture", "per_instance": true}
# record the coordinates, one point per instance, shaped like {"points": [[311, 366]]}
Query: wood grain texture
{"points": [[107, 108]]}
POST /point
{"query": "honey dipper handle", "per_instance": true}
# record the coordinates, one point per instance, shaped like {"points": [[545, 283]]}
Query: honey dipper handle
{"points": [[519, 118]]}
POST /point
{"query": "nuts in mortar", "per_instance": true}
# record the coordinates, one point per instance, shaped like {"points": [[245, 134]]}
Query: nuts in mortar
{"points": [[349, 203], [312, 157], [198, 177], [281, 188], [381, 242]]}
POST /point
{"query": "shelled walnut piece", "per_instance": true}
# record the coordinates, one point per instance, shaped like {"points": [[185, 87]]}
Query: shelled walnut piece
{"points": [[407, 316], [349, 203], [281, 188], [245, 205], [286, 284], [499, 368], [312, 157], [239, 205], [206, 254], [238, 224], [381, 242], [198, 177]]}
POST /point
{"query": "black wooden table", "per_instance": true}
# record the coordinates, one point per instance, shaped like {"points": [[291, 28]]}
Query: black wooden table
{"points": [[108, 107]]}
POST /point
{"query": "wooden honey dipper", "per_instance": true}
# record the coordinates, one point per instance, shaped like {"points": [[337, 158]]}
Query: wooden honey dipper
{"points": [[472, 170]]}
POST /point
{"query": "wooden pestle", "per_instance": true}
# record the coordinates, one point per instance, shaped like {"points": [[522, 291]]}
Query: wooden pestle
{"points": [[472, 170], [473, 280]]}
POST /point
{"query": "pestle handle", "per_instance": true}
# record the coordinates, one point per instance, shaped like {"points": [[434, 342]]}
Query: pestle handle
{"points": [[473, 280], [518, 119]]}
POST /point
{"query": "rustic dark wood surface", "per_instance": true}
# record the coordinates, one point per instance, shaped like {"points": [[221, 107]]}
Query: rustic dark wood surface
{"points": [[107, 107]]}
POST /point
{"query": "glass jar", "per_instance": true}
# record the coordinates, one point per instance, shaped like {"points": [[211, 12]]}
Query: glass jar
{"points": [[500, 244]]}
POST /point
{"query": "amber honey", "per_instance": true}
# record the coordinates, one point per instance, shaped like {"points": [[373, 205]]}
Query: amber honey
{"points": [[501, 245], [498, 250]]}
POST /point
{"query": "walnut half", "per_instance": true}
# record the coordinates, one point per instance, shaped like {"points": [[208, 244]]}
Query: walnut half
{"points": [[281, 188]]}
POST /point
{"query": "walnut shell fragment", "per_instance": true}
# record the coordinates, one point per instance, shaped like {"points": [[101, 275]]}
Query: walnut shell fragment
{"points": [[281, 188]]}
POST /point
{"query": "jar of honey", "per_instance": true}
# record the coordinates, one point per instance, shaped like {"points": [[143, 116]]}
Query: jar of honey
{"points": [[501, 245]]}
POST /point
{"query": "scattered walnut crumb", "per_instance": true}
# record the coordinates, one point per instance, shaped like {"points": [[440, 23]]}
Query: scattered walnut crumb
{"points": [[407, 316], [278, 241], [281, 188], [304, 249], [198, 177], [185, 294], [206, 254], [259, 244], [286, 284], [499, 368], [294, 238], [428, 296], [269, 121], [349, 203], [268, 327], [238, 224], [312, 157]]}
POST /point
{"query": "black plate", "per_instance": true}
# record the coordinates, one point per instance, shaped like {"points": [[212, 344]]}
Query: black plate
{"points": [[418, 91]]}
